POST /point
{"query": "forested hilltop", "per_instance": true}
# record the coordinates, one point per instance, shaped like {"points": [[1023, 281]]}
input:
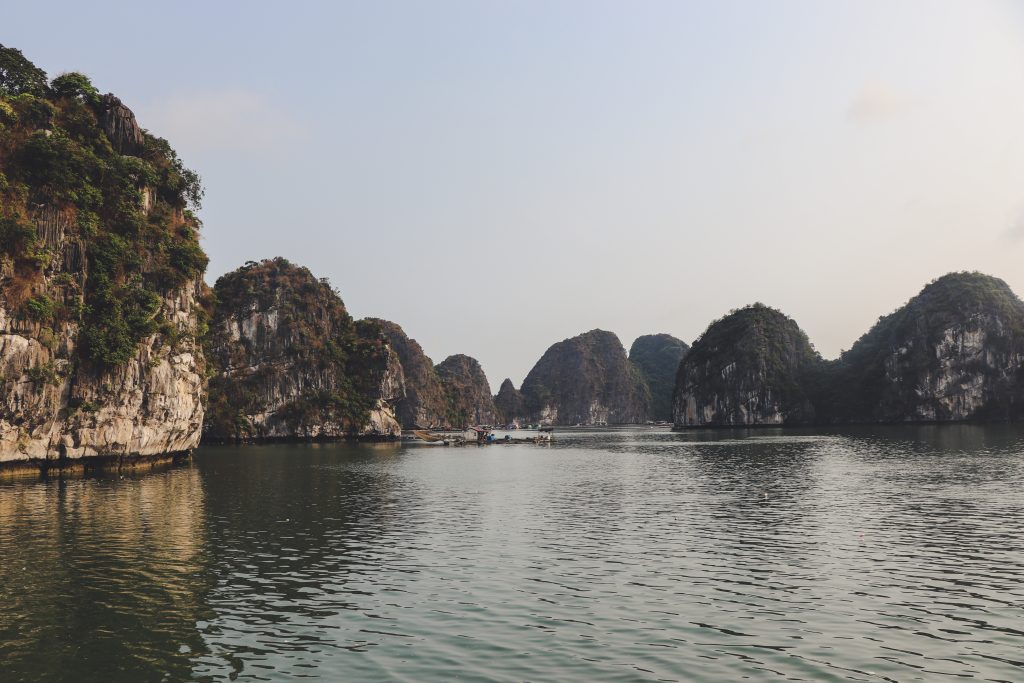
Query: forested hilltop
{"points": [[953, 352], [100, 275]]}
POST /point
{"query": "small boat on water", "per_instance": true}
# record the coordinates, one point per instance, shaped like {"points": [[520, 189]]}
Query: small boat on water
{"points": [[427, 436]]}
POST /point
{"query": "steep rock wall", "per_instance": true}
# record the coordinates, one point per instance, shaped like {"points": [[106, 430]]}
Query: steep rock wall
{"points": [[586, 379], [510, 404], [953, 352], [289, 362], [753, 367], [657, 356], [467, 392], [54, 407], [100, 281], [424, 404]]}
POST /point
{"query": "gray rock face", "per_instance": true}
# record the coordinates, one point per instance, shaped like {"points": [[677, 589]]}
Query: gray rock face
{"points": [[424, 404], [291, 363], [467, 391], [55, 407], [510, 405], [586, 380], [119, 124], [953, 352], [752, 367]]}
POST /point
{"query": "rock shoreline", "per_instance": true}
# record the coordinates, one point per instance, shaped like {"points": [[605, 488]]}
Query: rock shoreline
{"points": [[61, 467]]}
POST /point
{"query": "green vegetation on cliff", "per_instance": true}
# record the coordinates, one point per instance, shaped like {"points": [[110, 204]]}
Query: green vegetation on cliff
{"points": [[657, 356], [754, 366], [75, 168], [289, 360], [952, 352]]}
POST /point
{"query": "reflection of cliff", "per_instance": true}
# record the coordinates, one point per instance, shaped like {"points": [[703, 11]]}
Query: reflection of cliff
{"points": [[97, 571]]}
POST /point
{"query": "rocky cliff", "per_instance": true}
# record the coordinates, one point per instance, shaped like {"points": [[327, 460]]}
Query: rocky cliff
{"points": [[467, 392], [510, 405], [425, 404], [589, 380], [289, 361], [100, 278], [953, 352], [657, 356], [753, 367]]}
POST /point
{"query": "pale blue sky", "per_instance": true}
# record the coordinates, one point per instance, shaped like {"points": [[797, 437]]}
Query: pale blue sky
{"points": [[497, 176]]}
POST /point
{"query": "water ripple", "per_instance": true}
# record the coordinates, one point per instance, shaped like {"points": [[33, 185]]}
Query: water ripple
{"points": [[886, 554]]}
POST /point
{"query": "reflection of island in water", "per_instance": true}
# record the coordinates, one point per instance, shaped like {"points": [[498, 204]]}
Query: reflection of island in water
{"points": [[102, 573]]}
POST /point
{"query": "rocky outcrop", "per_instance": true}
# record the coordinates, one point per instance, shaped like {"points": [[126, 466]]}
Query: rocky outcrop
{"points": [[467, 392], [510, 405], [290, 363], [657, 356], [953, 352], [57, 407], [586, 380], [424, 404], [99, 291], [120, 125], [753, 367]]}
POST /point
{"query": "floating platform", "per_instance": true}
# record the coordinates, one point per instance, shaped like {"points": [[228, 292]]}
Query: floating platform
{"points": [[461, 439]]}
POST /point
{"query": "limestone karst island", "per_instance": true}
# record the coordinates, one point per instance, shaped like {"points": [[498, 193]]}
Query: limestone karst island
{"points": [[308, 361]]}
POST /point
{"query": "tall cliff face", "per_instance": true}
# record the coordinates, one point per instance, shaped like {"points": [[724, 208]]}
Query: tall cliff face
{"points": [[657, 356], [289, 361], [510, 404], [953, 352], [467, 391], [425, 404], [753, 367], [100, 278], [586, 379]]}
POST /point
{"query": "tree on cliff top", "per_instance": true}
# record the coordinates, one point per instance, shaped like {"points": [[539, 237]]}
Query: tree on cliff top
{"points": [[18, 76]]}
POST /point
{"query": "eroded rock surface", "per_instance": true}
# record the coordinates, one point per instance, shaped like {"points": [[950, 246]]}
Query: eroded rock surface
{"points": [[289, 361]]}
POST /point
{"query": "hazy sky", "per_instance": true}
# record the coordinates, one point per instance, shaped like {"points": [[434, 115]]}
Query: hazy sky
{"points": [[498, 176]]}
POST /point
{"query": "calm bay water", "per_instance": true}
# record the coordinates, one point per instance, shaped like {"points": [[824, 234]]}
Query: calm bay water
{"points": [[615, 555]]}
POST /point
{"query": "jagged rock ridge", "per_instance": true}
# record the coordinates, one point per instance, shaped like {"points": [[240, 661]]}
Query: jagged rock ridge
{"points": [[510, 405]]}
